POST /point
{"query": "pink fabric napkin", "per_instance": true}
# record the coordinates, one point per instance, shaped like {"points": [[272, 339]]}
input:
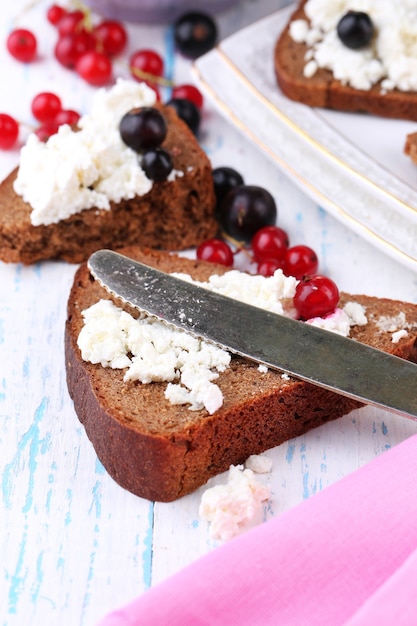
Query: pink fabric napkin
{"points": [[346, 556]]}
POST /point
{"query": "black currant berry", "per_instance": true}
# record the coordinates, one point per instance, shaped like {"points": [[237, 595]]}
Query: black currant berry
{"points": [[225, 179], [187, 111], [195, 33], [157, 164], [245, 210], [355, 29], [142, 129]]}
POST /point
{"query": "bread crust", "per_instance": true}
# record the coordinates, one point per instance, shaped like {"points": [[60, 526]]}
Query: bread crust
{"points": [[410, 147], [171, 216], [322, 90], [160, 451]]}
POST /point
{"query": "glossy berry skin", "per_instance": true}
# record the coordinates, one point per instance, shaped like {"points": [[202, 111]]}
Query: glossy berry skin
{"points": [[143, 129], [269, 242], [215, 251], [315, 296], [355, 29], [95, 68], [45, 106], [300, 261], [268, 267], [46, 130], [66, 116], [71, 22], [111, 37], [245, 210], [195, 34], [9, 131], [22, 45], [187, 111], [157, 164], [225, 179], [188, 92], [69, 48], [55, 13], [145, 64]]}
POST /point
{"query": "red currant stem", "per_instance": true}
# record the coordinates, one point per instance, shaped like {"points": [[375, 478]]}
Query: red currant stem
{"points": [[30, 127], [28, 7], [22, 124], [151, 78], [87, 22], [239, 245]]}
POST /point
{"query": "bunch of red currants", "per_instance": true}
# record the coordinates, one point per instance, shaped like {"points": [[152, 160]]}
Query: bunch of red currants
{"points": [[247, 216]]}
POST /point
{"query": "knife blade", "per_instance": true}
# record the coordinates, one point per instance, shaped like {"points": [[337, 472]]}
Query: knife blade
{"points": [[298, 349]]}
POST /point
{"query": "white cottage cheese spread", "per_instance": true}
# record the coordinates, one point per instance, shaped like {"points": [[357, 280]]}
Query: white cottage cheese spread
{"points": [[390, 58], [263, 292], [89, 168], [152, 351], [397, 325]]}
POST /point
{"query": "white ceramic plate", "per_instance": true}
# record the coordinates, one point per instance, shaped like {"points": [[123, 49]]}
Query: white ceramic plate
{"points": [[353, 165]]}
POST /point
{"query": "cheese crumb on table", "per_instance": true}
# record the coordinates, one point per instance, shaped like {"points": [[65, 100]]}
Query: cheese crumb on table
{"points": [[234, 507]]}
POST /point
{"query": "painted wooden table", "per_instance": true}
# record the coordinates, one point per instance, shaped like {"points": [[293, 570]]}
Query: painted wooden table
{"points": [[73, 544]]}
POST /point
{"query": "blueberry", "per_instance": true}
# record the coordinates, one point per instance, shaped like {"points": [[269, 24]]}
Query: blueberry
{"points": [[157, 164], [355, 29], [225, 179], [142, 129], [195, 34], [187, 111], [246, 209]]}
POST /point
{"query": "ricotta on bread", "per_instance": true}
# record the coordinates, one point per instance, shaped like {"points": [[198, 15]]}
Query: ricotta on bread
{"points": [[162, 450], [314, 67], [84, 189]]}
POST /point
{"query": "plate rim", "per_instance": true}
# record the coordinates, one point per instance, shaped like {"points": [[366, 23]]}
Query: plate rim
{"points": [[318, 195]]}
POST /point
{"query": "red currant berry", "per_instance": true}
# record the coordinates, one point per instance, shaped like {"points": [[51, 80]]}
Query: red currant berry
{"points": [[95, 68], [111, 36], [189, 92], [22, 45], [215, 251], [46, 130], [71, 22], [300, 261], [55, 13], [267, 267], [269, 242], [45, 106], [66, 116], [145, 64], [9, 131], [315, 296], [70, 48]]}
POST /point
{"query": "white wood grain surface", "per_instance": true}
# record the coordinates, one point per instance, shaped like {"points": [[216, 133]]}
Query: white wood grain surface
{"points": [[73, 544]]}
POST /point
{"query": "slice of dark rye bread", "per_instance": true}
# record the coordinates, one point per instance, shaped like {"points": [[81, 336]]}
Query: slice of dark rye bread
{"points": [[410, 147], [171, 216], [160, 451], [322, 90]]}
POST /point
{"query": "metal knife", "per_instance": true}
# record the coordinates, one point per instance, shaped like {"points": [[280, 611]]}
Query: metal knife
{"points": [[309, 353]]}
